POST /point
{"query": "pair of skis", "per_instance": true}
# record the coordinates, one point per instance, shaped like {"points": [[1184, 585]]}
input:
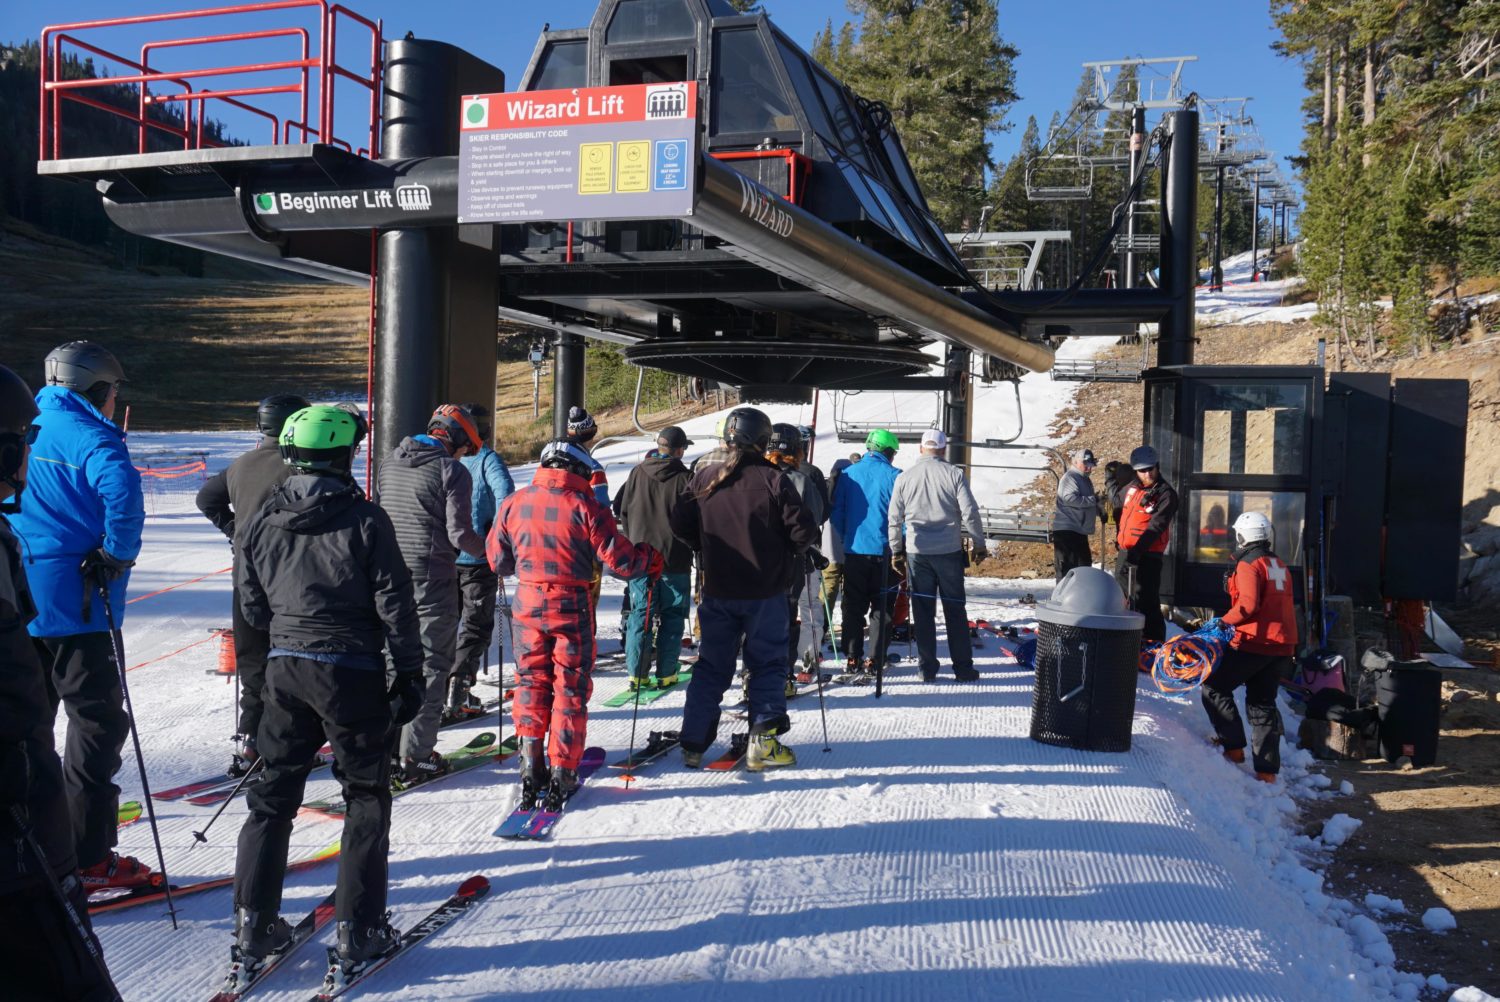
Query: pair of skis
{"points": [[479, 751], [650, 695], [146, 893], [537, 823], [463, 898]]}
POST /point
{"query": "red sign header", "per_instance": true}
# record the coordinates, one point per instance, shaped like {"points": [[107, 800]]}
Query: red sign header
{"points": [[579, 106]]}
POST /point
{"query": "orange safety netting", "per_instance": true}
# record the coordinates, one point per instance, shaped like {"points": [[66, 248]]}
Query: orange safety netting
{"points": [[173, 472]]}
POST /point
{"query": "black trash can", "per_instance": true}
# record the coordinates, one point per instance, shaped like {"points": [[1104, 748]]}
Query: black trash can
{"points": [[1410, 696], [1088, 646]]}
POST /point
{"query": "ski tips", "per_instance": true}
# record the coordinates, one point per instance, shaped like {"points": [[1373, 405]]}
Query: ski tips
{"points": [[476, 886]]}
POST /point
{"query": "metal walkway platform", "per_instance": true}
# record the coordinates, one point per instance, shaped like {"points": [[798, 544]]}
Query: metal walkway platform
{"points": [[1014, 526], [1088, 370]]}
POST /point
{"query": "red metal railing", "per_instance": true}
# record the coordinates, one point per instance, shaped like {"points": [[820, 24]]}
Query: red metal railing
{"points": [[315, 68], [798, 167]]}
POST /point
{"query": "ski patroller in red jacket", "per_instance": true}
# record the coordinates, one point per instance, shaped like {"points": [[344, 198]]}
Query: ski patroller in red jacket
{"points": [[1260, 603], [553, 531], [1146, 521]]}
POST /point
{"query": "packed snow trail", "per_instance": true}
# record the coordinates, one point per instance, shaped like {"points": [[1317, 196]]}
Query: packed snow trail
{"points": [[935, 852]]}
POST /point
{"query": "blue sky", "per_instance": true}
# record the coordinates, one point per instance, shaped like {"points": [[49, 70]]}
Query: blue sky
{"points": [[1232, 39]]}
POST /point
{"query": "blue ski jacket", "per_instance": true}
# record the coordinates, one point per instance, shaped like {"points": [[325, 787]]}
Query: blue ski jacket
{"points": [[492, 484], [82, 492], [862, 502]]}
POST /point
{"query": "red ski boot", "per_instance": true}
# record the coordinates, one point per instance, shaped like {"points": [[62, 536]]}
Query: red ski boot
{"points": [[118, 871]]}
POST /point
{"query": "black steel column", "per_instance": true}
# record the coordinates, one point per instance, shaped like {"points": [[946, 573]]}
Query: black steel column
{"points": [[1255, 232], [1179, 239], [955, 416], [567, 379], [1216, 280], [1138, 154], [435, 288]]}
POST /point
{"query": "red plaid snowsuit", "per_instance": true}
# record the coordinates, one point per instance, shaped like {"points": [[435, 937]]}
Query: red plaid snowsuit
{"points": [[548, 536]]}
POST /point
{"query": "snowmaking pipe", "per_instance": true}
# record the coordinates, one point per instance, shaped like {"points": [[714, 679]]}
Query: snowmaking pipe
{"points": [[766, 229]]}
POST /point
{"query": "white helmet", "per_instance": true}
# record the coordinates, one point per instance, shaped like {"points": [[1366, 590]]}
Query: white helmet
{"points": [[1252, 527]]}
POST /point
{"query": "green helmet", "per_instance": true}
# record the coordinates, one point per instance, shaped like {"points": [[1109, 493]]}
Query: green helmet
{"points": [[880, 440], [322, 437]]}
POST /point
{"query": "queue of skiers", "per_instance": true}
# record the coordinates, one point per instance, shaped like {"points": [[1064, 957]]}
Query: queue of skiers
{"points": [[362, 624]]}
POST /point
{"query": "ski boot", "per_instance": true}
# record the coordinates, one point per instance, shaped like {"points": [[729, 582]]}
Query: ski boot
{"points": [[563, 785], [415, 771], [359, 947], [667, 681], [534, 776], [244, 756], [767, 753], [791, 686], [257, 937], [639, 683], [116, 871], [1235, 755], [692, 759], [462, 703]]}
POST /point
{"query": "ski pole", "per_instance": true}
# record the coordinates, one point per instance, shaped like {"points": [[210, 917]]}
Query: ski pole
{"points": [[883, 634], [28, 835], [118, 642], [646, 652], [202, 836]]}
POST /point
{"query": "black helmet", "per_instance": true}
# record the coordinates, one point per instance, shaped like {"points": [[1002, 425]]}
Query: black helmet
{"points": [[565, 455], [785, 438], [17, 411], [271, 415], [82, 366], [481, 416], [747, 428]]}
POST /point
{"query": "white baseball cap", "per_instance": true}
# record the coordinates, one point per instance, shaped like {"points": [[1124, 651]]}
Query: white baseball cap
{"points": [[933, 438]]}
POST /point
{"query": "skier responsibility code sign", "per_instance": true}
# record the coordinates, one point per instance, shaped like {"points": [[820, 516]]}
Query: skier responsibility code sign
{"points": [[586, 153]]}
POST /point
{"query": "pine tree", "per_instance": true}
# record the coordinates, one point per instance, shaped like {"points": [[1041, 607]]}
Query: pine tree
{"points": [[947, 77]]}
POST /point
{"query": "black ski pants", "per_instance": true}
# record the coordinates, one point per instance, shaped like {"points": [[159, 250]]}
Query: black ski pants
{"points": [[863, 577], [1069, 550], [306, 702], [251, 646], [477, 587], [1259, 674], [83, 678], [1141, 583], [42, 952]]}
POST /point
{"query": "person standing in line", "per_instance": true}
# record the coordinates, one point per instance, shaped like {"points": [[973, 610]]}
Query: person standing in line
{"points": [[748, 526], [644, 506], [549, 536], [861, 507], [1118, 477], [805, 464], [933, 500], [833, 549], [718, 454], [785, 453], [1073, 519], [581, 431], [43, 954], [1145, 531], [1264, 617], [82, 524], [427, 493], [234, 493], [320, 570], [477, 584]]}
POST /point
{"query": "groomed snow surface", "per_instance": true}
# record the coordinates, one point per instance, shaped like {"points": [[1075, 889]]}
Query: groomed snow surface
{"points": [[933, 852]]}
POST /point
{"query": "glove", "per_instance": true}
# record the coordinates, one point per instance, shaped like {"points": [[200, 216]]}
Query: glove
{"points": [[978, 554], [898, 563], [407, 694], [1133, 556], [656, 565], [15, 775], [104, 567], [819, 561]]}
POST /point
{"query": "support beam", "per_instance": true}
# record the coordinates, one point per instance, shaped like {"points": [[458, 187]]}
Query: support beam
{"points": [[956, 416], [1179, 239], [567, 379], [1138, 153]]}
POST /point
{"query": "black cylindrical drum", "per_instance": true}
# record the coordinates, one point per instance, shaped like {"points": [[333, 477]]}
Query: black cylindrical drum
{"points": [[1410, 700]]}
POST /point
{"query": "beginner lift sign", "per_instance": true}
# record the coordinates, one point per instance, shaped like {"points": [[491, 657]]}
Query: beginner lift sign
{"points": [[586, 153]]}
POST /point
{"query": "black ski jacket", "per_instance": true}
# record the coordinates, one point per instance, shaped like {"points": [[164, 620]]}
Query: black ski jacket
{"points": [[644, 506], [749, 534], [26, 737], [240, 490], [320, 570]]}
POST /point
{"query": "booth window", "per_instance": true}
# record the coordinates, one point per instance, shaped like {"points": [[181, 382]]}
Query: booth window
{"points": [[649, 21], [1211, 514], [564, 65], [807, 94], [1257, 429], [1159, 433], [850, 133], [747, 92]]}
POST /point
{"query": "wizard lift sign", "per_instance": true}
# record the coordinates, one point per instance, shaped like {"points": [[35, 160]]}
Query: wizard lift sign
{"points": [[587, 153]]}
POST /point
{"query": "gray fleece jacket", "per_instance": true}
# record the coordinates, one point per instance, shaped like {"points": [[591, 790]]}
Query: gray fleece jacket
{"points": [[933, 499], [428, 495], [1077, 504]]}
